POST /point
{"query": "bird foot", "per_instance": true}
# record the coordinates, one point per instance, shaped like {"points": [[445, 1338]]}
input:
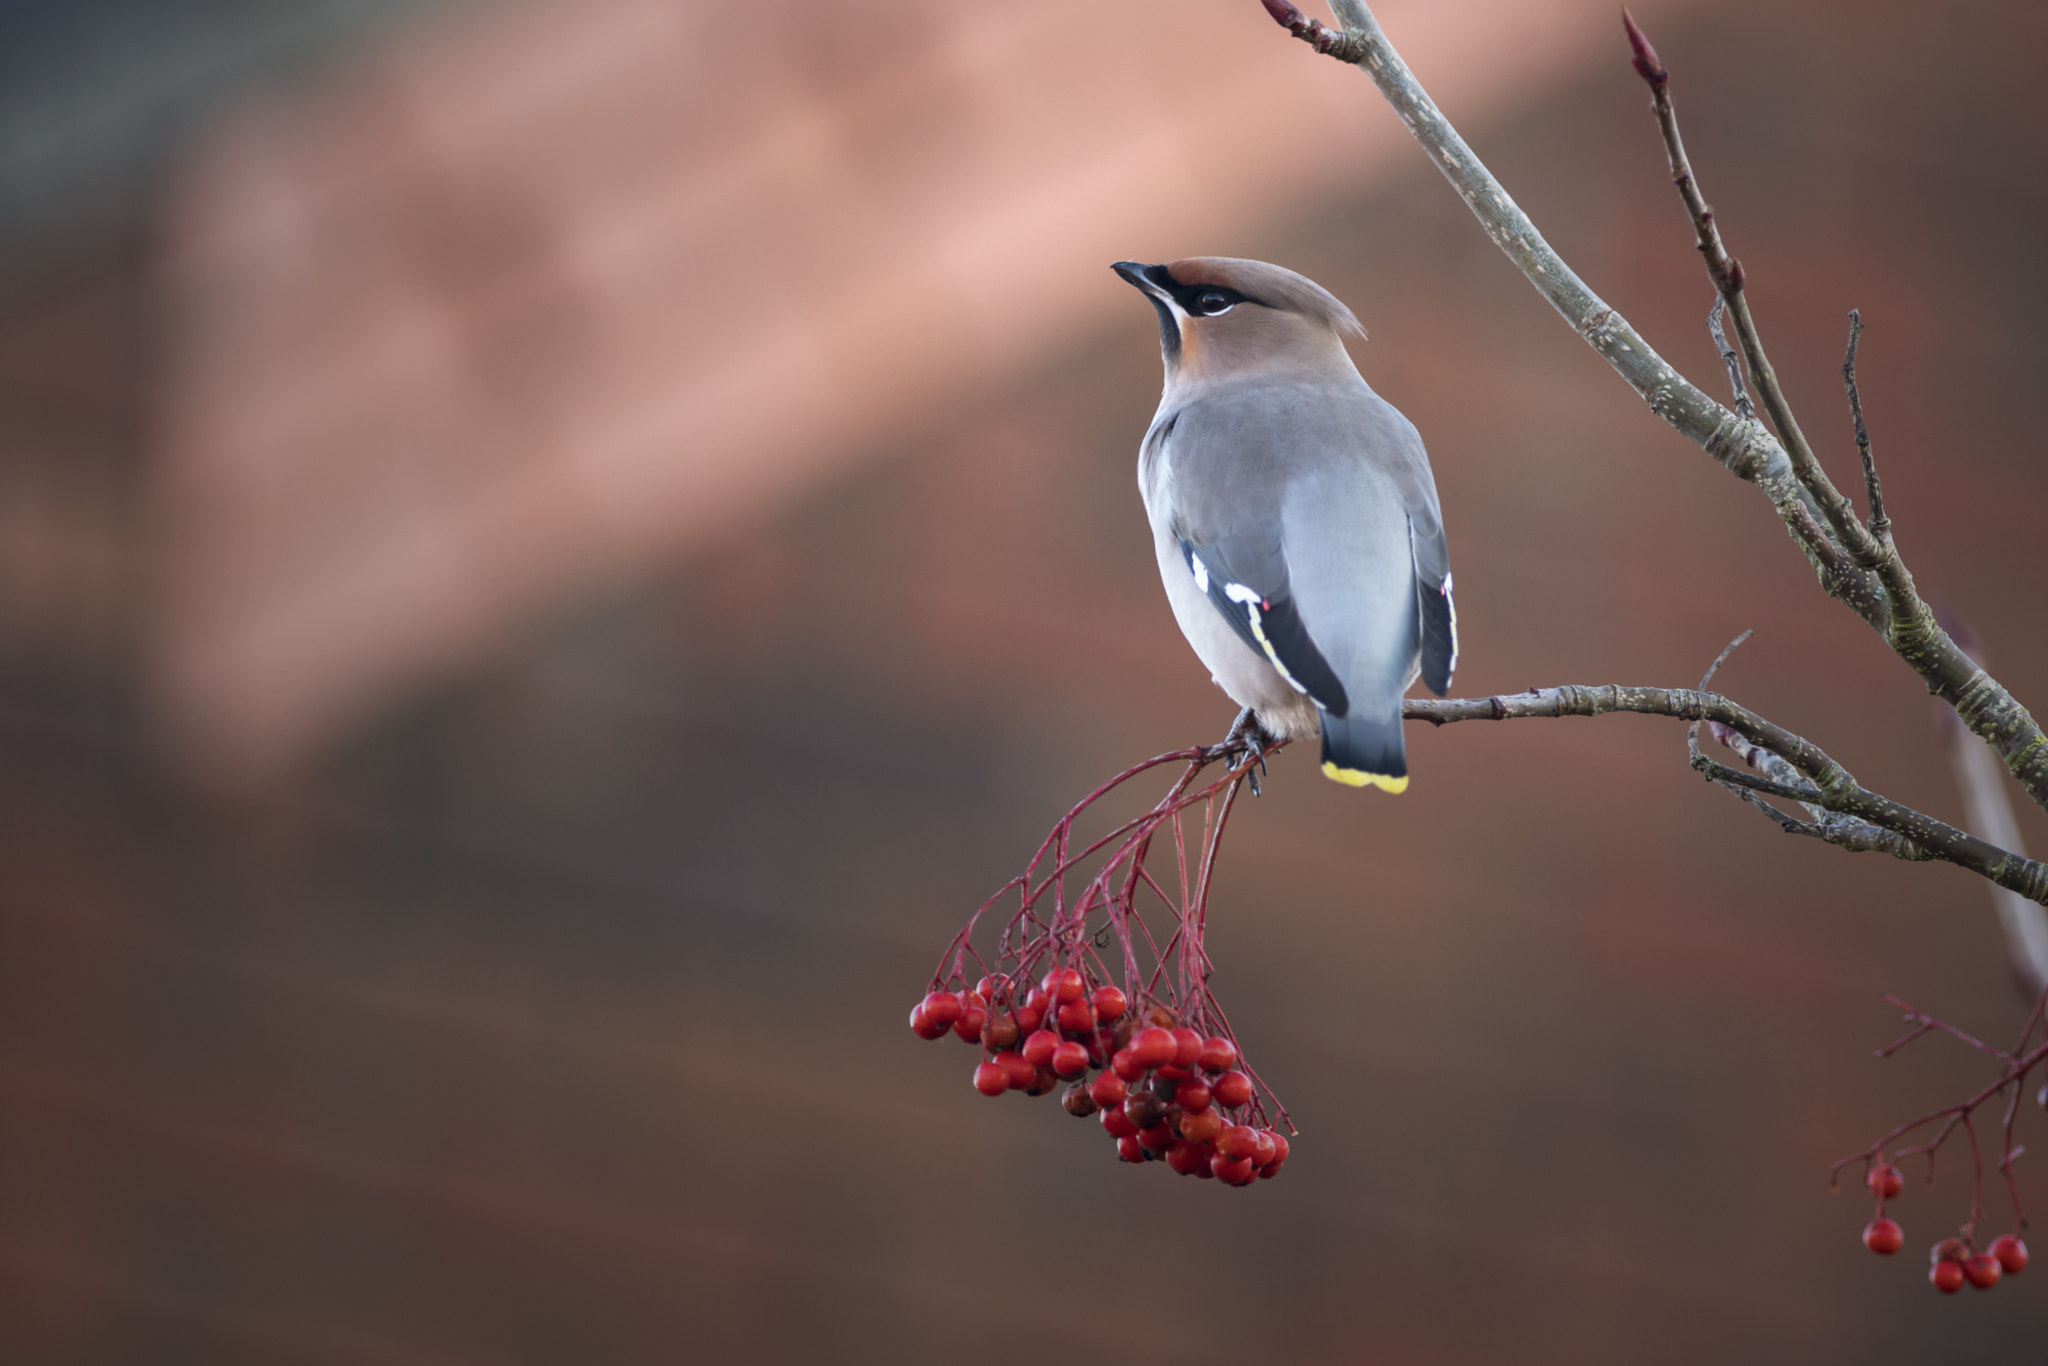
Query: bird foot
{"points": [[1245, 746]]}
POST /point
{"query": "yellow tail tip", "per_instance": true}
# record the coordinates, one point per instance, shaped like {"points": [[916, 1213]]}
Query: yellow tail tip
{"points": [[1358, 777]]}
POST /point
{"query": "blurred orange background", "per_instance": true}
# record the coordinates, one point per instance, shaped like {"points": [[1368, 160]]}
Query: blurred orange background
{"points": [[550, 553]]}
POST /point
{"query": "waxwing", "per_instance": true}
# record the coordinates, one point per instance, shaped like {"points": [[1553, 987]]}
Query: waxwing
{"points": [[1293, 513]]}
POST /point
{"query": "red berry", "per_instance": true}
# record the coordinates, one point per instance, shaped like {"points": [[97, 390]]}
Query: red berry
{"points": [[1235, 1171], [1204, 1126], [1076, 1017], [1020, 1072], [970, 1024], [1001, 1031], [1069, 1059], [2011, 1253], [1217, 1055], [1169, 1072], [989, 987], [1039, 1046], [990, 1079], [924, 1026], [1187, 1046], [1109, 1089], [1268, 1150], [1118, 1124], [1884, 1182], [1126, 1065], [1152, 1047], [1983, 1270], [1155, 1139], [1127, 1148], [1029, 1017], [1110, 1004], [1232, 1089], [1063, 984], [1192, 1096], [1039, 999], [1883, 1237], [1185, 1158], [1238, 1142], [1145, 1109], [1946, 1275], [942, 1006]]}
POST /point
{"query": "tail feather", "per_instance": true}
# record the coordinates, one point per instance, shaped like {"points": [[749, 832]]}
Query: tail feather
{"points": [[1361, 752]]}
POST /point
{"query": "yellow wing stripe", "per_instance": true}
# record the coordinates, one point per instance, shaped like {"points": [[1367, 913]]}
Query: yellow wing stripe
{"points": [[1358, 777]]}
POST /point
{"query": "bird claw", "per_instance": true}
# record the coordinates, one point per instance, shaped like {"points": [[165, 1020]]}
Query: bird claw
{"points": [[1249, 739]]}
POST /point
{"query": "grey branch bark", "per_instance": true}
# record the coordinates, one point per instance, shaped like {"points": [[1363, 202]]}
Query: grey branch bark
{"points": [[1818, 780], [1857, 565]]}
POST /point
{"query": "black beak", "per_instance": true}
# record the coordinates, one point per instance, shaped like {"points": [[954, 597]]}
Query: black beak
{"points": [[1143, 276]]}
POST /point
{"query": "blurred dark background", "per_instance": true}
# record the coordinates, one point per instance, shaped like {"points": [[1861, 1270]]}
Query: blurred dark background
{"points": [[551, 552]]}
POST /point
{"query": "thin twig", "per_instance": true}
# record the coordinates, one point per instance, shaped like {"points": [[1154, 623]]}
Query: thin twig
{"points": [[1729, 360], [1880, 525]]}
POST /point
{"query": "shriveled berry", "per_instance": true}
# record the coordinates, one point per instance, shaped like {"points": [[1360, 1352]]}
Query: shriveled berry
{"points": [[1192, 1096], [924, 1026], [1983, 1270], [1237, 1171], [1070, 1059], [1077, 1101], [1019, 1071], [1187, 1047], [1217, 1055], [970, 1024], [1126, 1030], [1238, 1141], [1063, 985], [1163, 1087], [1126, 1065], [1884, 1182], [1232, 1089], [990, 1079], [1152, 1047], [1110, 1004], [1108, 1089], [1119, 1126], [1948, 1250], [1185, 1158], [1155, 1139], [1041, 1082], [2011, 1253], [1128, 1150], [1076, 1017], [1268, 1151], [1038, 1047], [1001, 1031], [942, 1006], [1883, 1237], [1145, 1109], [1946, 1275], [1159, 1017], [1204, 1126]]}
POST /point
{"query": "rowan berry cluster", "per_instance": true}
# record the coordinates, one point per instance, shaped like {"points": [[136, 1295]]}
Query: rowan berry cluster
{"points": [[1162, 1091], [1952, 1260]]}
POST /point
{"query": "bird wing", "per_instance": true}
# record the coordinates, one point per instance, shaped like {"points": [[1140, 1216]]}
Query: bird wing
{"points": [[1308, 515]]}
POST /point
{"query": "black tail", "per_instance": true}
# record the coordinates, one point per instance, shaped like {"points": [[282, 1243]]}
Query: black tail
{"points": [[1360, 752]]}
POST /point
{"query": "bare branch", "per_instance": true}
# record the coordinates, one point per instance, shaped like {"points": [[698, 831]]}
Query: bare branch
{"points": [[1826, 783], [1884, 596], [1988, 812]]}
